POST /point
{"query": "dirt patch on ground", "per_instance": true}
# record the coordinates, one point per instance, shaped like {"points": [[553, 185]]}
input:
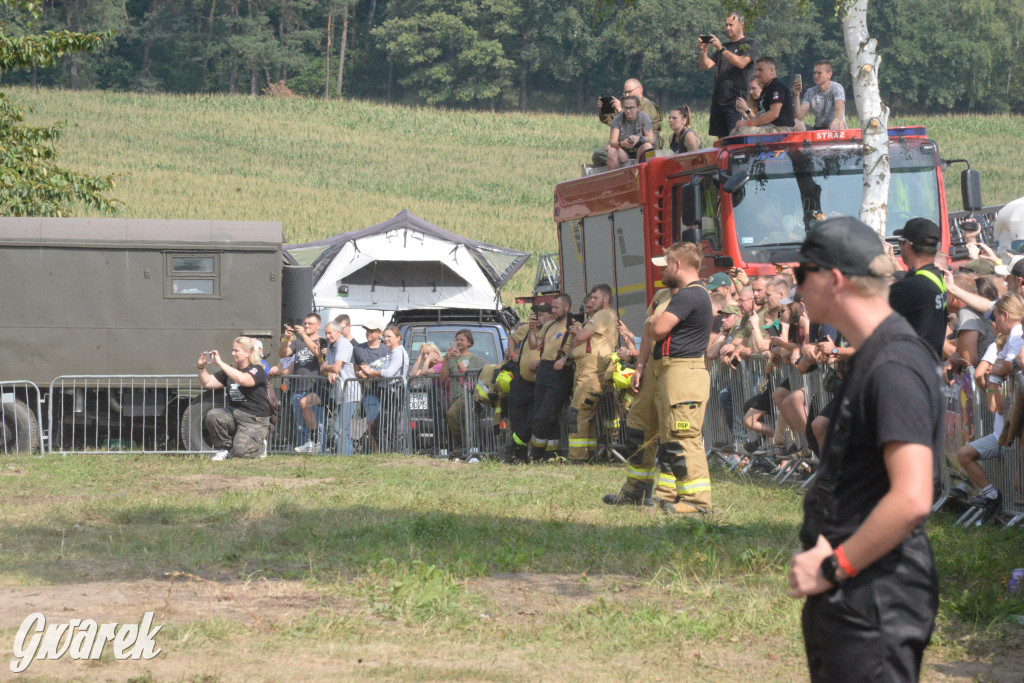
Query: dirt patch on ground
{"points": [[263, 642], [177, 599]]}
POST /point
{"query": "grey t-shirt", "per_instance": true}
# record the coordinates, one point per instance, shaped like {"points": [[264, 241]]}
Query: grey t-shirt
{"points": [[969, 321], [635, 127], [342, 350], [823, 104]]}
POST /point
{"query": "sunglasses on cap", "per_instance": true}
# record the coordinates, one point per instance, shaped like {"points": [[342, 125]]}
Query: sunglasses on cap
{"points": [[782, 267], [800, 272]]}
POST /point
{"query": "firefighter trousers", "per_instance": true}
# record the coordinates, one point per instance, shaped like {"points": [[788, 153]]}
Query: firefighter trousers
{"points": [[683, 386], [551, 391], [586, 399], [875, 626], [520, 409], [642, 468]]}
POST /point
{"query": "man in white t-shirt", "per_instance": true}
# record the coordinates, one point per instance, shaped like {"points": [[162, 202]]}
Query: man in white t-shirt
{"points": [[826, 101]]}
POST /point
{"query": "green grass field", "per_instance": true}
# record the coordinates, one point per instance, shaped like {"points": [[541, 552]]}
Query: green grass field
{"points": [[402, 568], [326, 167]]}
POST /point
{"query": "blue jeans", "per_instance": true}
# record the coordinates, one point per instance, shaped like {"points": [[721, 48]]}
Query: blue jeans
{"points": [[300, 421], [343, 427], [371, 407]]}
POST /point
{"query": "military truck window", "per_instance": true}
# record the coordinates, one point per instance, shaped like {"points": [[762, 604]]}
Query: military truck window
{"points": [[192, 276]]}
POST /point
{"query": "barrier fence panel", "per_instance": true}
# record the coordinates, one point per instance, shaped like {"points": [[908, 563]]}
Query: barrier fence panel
{"points": [[21, 418], [611, 425], [118, 413], [1005, 471], [718, 440]]}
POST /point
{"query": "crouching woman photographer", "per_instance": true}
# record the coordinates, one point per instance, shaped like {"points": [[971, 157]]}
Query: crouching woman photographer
{"points": [[240, 429]]}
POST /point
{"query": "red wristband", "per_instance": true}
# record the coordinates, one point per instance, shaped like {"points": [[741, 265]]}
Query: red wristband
{"points": [[844, 563]]}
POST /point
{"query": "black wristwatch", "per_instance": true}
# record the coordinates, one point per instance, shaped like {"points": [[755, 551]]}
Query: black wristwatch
{"points": [[828, 569]]}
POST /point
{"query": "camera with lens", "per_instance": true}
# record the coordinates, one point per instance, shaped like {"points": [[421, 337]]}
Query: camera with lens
{"points": [[580, 316], [540, 308]]}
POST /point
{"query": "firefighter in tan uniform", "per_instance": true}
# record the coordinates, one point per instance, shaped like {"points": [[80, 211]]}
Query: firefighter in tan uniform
{"points": [[521, 390], [642, 429], [681, 335], [593, 346], [554, 378]]}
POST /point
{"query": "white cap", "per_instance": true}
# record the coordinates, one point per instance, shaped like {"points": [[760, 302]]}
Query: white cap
{"points": [[1006, 268], [375, 324]]}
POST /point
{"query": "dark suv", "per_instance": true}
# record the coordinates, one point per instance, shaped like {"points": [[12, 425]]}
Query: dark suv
{"points": [[427, 399]]}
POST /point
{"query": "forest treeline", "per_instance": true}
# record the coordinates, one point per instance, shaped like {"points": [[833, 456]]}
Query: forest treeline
{"points": [[552, 55]]}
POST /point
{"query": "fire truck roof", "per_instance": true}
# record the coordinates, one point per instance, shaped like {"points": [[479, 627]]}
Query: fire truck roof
{"points": [[815, 136]]}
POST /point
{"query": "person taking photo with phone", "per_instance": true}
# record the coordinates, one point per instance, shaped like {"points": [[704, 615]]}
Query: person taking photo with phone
{"points": [[240, 428]]}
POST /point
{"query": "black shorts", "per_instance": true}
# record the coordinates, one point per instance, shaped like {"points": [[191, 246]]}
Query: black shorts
{"points": [[723, 120]]}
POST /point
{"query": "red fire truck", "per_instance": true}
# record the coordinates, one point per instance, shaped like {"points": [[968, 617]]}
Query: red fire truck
{"points": [[747, 202]]}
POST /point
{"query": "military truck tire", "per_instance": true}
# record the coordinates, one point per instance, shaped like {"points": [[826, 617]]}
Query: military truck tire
{"points": [[190, 426], [20, 428]]}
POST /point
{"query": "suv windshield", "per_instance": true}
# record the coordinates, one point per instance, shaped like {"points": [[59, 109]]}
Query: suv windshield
{"points": [[485, 342], [789, 189]]}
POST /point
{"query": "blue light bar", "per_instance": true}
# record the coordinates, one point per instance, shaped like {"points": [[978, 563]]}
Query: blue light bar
{"points": [[907, 131]]}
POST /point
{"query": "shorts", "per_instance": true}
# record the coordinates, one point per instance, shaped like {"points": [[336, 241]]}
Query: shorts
{"points": [[987, 446], [761, 402], [723, 119]]}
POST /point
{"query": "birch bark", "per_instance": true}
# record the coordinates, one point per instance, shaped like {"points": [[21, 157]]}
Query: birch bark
{"points": [[861, 50]]}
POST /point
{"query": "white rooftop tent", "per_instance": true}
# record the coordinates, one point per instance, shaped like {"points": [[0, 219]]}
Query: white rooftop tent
{"points": [[406, 263]]}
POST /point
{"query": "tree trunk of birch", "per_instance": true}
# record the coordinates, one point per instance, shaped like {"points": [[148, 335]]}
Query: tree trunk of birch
{"points": [[874, 115]]}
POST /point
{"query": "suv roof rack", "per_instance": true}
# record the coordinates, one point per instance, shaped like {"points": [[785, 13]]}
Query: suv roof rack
{"points": [[505, 316]]}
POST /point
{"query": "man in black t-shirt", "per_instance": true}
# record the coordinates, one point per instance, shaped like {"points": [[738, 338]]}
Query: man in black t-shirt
{"points": [[680, 335], [733, 62], [920, 295], [776, 103], [867, 569]]}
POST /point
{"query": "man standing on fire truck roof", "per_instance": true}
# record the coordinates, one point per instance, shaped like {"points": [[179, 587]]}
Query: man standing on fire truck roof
{"points": [[593, 344], [681, 335], [734, 64]]}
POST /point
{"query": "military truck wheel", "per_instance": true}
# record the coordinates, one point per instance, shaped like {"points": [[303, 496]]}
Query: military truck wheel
{"points": [[190, 426], [20, 428]]}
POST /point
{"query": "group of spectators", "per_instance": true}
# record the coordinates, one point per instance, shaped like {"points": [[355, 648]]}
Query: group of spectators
{"points": [[320, 370], [748, 97]]}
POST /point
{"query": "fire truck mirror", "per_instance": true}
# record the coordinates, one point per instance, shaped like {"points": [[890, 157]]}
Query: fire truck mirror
{"points": [[693, 207], [735, 182], [690, 235], [970, 189]]}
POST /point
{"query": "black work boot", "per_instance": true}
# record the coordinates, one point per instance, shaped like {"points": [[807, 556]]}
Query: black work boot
{"points": [[642, 494]]}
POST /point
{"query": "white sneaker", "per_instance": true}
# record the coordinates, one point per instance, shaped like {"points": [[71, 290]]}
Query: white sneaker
{"points": [[219, 455], [264, 453], [308, 447]]}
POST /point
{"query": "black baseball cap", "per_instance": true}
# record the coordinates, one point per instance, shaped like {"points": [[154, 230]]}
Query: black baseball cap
{"points": [[848, 245], [920, 232]]}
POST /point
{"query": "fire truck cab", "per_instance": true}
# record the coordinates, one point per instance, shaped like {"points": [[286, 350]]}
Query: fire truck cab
{"points": [[747, 202]]}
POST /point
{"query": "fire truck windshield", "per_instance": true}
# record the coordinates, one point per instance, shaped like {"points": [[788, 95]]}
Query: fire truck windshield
{"points": [[789, 190]]}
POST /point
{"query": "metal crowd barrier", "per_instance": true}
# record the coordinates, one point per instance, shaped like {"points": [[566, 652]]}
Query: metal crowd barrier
{"points": [[457, 418], [451, 419], [118, 413], [21, 411], [354, 416], [611, 426], [1005, 472]]}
